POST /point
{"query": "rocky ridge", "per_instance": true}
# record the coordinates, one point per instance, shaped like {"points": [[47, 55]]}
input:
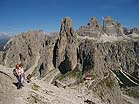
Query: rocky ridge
{"points": [[131, 31], [94, 29], [74, 57], [112, 28], [23, 49]]}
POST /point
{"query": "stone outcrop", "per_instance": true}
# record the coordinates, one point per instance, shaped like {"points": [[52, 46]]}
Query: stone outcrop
{"points": [[46, 62], [124, 53], [115, 55], [86, 55], [66, 47], [93, 29], [111, 28]]}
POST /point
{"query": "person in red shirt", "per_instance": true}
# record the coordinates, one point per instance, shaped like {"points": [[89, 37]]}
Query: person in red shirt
{"points": [[88, 76]]}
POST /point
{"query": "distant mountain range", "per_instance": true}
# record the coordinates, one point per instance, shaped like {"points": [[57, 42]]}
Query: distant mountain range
{"points": [[4, 37]]}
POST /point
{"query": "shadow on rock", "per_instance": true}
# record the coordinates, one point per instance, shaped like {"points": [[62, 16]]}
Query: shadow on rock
{"points": [[63, 67], [15, 83]]}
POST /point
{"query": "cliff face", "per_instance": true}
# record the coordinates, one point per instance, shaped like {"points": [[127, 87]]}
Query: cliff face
{"points": [[66, 47], [116, 55], [47, 54], [122, 54], [23, 49], [105, 84], [112, 28], [93, 29]]}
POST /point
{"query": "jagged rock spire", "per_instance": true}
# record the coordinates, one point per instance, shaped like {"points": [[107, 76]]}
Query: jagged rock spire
{"points": [[111, 28], [66, 24], [94, 22], [120, 28], [66, 53], [93, 29]]}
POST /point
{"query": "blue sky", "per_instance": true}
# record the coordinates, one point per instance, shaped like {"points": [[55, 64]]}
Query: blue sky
{"points": [[23, 15]]}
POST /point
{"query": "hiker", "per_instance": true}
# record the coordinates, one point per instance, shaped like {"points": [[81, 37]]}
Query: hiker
{"points": [[20, 73]]}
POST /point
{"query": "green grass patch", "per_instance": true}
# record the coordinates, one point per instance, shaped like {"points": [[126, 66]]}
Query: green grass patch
{"points": [[109, 82], [72, 74], [35, 87]]}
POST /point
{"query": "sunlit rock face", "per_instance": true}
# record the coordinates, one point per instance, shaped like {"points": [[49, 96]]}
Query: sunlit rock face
{"points": [[23, 49], [66, 47], [111, 28], [93, 29]]}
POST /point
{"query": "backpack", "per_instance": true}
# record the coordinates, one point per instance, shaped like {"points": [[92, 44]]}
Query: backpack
{"points": [[14, 73]]}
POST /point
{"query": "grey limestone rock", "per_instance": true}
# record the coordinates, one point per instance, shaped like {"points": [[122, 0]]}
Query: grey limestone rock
{"points": [[112, 28], [93, 29], [23, 49], [66, 52]]}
